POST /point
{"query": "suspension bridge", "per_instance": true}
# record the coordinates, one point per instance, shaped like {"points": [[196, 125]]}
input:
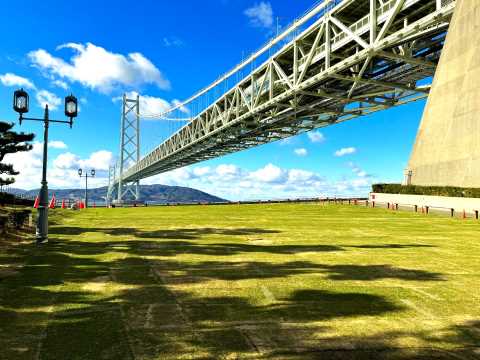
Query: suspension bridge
{"points": [[342, 59]]}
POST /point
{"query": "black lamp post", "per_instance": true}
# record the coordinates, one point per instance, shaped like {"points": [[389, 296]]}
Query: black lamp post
{"points": [[20, 105], [86, 176]]}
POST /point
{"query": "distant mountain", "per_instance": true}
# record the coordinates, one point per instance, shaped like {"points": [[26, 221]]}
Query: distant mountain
{"points": [[149, 193]]}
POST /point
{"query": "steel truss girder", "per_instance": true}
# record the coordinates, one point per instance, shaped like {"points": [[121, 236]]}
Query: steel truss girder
{"points": [[332, 72]]}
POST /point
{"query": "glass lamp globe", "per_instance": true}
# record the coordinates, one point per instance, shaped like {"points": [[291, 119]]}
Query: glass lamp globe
{"points": [[71, 106], [20, 101]]}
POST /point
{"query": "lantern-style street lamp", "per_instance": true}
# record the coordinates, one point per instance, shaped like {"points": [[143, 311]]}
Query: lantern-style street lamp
{"points": [[86, 176], [20, 105], [71, 108], [20, 102]]}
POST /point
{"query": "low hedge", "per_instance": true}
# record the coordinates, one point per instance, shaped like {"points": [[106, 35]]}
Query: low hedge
{"points": [[6, 199], [10, 199], [18, 218], [13, 219], [426, 190], [3, 223]]}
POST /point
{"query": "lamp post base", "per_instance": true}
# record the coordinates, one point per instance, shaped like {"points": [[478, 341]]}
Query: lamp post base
{"points": [[42, 221], [41, 241], [41, 236]]}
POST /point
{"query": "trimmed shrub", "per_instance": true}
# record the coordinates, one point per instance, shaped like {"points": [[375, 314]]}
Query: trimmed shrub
{"points": [[426, 190], [18, 218], [6, 199], [3, 223], [10, 199]]}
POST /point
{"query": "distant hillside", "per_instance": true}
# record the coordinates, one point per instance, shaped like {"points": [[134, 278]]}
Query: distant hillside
{"points": [[150, 193]]}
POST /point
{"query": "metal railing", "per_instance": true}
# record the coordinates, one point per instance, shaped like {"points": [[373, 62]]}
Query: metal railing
{"points": [[423, 209]]}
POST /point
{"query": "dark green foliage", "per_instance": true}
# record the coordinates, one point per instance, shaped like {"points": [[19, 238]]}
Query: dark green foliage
{"points": [[3, 223], [11, 142], [6, 199], [18, 218], [11, 199], [426, 190]]}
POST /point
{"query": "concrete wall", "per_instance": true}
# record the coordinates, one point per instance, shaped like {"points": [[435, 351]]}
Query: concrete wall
{"points": [[447, 148], [470, 205]]}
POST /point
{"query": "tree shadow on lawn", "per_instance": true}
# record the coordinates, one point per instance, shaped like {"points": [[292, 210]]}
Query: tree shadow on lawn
{"points": [[460, 341], [302, 306], [140, 316], [154, 323], [137, 249], [88, 325], [378, 272], [178, 273], [173, 248], [185, 233], [389, 246]]}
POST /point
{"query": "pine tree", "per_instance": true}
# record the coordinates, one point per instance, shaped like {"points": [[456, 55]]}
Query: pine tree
{"points": [[11, 142]]}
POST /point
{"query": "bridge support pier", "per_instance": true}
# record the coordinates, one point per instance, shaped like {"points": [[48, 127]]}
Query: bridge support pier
{"points": [[447, 148]]}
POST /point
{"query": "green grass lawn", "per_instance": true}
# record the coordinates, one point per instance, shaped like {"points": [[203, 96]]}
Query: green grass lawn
{"points": [[283, 281]]}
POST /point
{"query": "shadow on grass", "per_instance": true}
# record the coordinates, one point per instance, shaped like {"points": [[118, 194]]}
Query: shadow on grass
{"points": [[138, 249], [377, 272], [187, 233], [389, 246], [211, 270], [174, 248], [462, 342], [69, 302]]}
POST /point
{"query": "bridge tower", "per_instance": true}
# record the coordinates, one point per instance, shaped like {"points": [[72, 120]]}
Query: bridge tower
{"points": [[129, 153], [447, 148]]}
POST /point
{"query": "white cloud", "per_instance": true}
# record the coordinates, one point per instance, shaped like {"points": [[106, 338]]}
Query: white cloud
{"points": [[226, 180], [227, 170], [201, 171], [66, 161], [153, 105], [98, 68], [60, 83], [316, 136], [178, 103], [269, 174], [345, 151], [286, 141], [29, 164], [150, 105], [10, 79], [301, 152], [99, 160], [358, 171], [260, 15], [269, 182], [46, 97], [360, 182], [56, 144], [62, 171], [42, 96], [172, 42]]}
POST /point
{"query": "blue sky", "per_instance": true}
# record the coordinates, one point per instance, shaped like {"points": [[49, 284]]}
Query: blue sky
{"points": [[167, 51]]}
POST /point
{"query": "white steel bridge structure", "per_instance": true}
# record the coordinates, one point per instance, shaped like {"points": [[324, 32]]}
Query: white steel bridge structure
{"points": [[341, 60]]}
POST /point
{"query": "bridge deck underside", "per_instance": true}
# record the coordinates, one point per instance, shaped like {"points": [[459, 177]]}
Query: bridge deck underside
{"points": [[350, 63]]}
